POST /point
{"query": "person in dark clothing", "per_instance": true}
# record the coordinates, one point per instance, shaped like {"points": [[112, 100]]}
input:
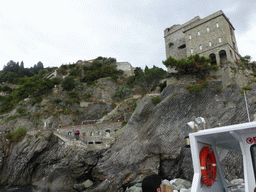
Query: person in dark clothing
{"points": [[152, 183]]}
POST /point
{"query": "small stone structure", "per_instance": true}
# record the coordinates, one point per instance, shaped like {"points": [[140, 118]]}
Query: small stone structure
{"points": [[126, 67], [212, 36], [92, 136]]}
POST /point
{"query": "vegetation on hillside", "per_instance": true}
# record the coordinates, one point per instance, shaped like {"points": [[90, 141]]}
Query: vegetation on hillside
{"points": [[17, 135], [31, 82], [194, 64], [14, 72], [148, 79]]}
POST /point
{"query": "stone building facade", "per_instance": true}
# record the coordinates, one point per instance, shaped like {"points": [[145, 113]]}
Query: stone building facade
{"points": [[212, 36], [92, 136]]}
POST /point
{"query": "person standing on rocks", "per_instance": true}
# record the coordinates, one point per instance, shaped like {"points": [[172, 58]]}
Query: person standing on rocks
{"points": [[77, 132]]}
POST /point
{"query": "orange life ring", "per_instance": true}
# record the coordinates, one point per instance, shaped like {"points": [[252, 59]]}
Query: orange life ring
{"points": [[208, 166]]}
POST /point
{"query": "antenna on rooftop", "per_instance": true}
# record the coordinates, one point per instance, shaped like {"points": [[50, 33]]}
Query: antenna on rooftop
{"points": [[246, 106]]}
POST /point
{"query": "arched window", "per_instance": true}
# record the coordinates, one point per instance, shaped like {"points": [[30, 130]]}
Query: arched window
{"points": [[191, 50], [198, 33], [200, 47], [207, 29], [99, 133], [91, 134], [213, 59], [210, 43], [217, 24], [190, 36], [219, 39], [223, 56]]}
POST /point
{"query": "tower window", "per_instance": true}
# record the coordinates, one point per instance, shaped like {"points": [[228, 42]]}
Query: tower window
{"points": [[182, 46], [200, 47], [210, 43], [190, 36], [191, 50], [217, 24], [198, 33], [219, 40], [207, 29]]}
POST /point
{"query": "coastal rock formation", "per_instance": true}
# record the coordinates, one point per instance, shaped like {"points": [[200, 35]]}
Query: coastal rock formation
{"points": [[152, 142], [40, 161]]}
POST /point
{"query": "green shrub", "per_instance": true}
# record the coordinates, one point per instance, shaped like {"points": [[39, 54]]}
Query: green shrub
{"points": [[6, 88], [253, 81], [56, 80], [76, 72], [162, 86], [92, 83], [122, 93], [231, 85], [193, 64], [16, 136], [79, 86], [170, 44], [87, 95], [57, 101], [21, 110], [197, 88], [73, 95], [65, 111], [36, 100], [68, 83], [247, 87], [194, 88], [114, 78], [105, 112], [205, 85], [218, 89], [156, 100], [124, 123], [133, 106]]}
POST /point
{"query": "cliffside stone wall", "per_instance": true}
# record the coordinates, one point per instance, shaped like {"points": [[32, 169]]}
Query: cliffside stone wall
{"points": [[93, 136]]}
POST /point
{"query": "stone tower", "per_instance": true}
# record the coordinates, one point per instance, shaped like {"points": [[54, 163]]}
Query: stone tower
{"points": [[212, 36]]}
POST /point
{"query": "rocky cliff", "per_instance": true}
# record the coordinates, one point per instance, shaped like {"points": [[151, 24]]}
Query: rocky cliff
{"points": [[152, 142]]}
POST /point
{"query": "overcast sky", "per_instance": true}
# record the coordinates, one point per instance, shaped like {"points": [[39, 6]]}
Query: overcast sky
{"points": [[58, 32]]}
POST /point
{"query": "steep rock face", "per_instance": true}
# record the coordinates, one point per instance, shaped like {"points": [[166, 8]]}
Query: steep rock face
{"points": [[40, 161], [153, 141]]}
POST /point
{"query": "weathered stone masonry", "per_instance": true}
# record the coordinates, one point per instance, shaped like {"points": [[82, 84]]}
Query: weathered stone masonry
{"points": [[93, 136], [212, 36]]}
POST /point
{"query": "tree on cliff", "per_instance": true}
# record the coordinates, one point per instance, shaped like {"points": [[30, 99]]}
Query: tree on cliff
{"points": [[193, 64], [148, 78]]}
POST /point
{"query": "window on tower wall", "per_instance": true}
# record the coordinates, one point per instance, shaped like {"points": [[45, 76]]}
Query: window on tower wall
{"points": [[191, 50], [198, 33], [217, 24], [210, 43], [200, 47], [219, 40], [190, 36], [207, 29]]}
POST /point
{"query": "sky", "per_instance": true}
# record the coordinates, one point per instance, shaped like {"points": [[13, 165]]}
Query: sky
{"points": [[58, 32]]}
